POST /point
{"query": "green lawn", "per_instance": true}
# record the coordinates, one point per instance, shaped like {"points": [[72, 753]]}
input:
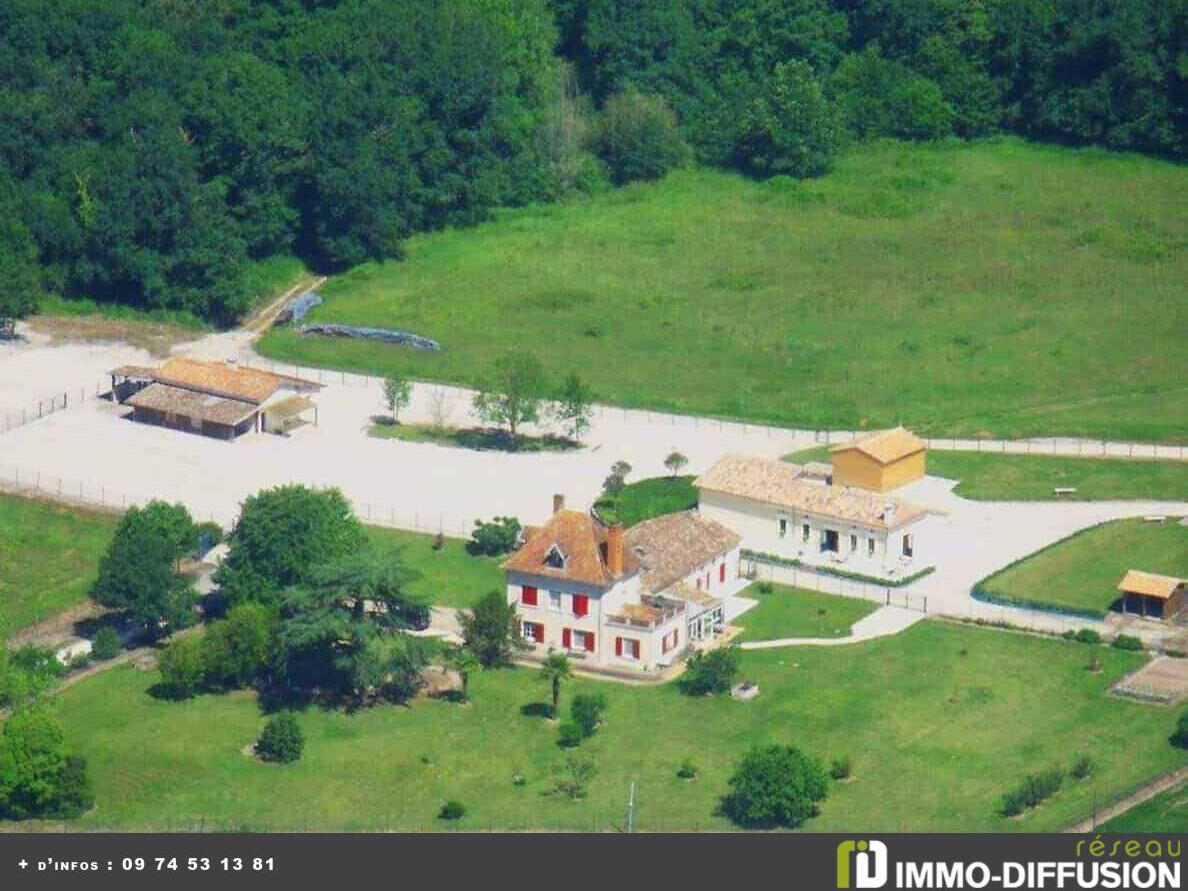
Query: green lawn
{"points": [[477, 438], [449, 577], [49, 556], [1082, 572], [797, 612], [939, 721], [987, 476], [997, 286], [649, 498], [1167, 812]]}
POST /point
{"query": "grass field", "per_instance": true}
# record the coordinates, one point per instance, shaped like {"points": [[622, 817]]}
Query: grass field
{"points": [[1082, 572], [997, 286], [985, 476], [1166, 812], [49, 556], [477, 438], [449, 577], [649, 498], [939, 721], [797, 612]]}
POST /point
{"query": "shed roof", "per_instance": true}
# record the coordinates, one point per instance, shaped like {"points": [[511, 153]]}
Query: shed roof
{"points": [[190, 404], [293, 405], [884, 446], [1149, 584], [218, 378], [782, 484], [578, 538], [672, 546]]}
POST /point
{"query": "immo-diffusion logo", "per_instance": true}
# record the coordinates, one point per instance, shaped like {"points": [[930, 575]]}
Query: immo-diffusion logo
{"points": [[861, 864]]}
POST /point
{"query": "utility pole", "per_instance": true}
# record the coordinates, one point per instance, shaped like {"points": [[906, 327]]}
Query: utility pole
{"points": [[631, 807]]}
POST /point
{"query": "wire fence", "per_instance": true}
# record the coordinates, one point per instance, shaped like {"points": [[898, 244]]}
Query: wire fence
{"points": [[42, 408], [1062, 447]]}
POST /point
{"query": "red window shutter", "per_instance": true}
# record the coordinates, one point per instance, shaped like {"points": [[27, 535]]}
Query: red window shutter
{"points": [[676, 636], [589, 642], [699, 583], [566, 637], [635, 649], [618, 646], [528, 595], [581, 604], [722, 573], [538, 633]]}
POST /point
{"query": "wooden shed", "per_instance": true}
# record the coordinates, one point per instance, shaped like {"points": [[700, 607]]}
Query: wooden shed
{"points": [[878, 461], [1152, 595]]}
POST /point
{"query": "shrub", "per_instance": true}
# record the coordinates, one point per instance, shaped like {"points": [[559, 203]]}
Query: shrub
{"points": [[573, 777], [438, 541], [570, 734], [241, 648], [1082, 768], [764, 587], [282, 740], [181, 668], [637, 138], [775, 786], [493, 538], [1088, 636], [687, 770], [107, 644], [518, 778], [791, 128], [712, 672], [587, 710], [841, 767], [1034, 789], [1180, 737], [1127, 642], [452, 810], [1175, 654]]}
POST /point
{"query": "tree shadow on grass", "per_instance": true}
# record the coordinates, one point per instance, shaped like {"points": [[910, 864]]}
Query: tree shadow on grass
{"points": [[536, 710]]}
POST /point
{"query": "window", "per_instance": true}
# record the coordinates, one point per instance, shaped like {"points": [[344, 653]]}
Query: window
{"points": [[805, 531], [626, 647], [581, 605], [909, 544], [555, 558], [829, 540], [583, 640], [670, 640], [870, 547], [533, 631], [783, 527], [853, 542], [555, 601], [528, 595]]}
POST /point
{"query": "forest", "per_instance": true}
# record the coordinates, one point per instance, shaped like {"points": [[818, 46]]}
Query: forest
{"points": [[152, 150]]}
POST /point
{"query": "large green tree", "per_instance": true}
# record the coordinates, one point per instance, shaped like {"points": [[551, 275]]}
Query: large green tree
{"points": [[38, 775], [775, 786]]}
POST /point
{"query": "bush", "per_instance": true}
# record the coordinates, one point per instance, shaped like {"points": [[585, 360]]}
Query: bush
{"points": [[1127, 642], [764, 587], [107, 644], [452, 810], [241, 648], [570, 734], [687, 770], [282, 740], [883, 97], [841, 767], [775, 786], [1034, 789], [637, 138], [587, 710], [181, 668], [1180, 737], [791, 128], [572, 778], [1088, 636], [37, 776], [496, 537], [1082, 768], [1175, 654], [712, 672]]}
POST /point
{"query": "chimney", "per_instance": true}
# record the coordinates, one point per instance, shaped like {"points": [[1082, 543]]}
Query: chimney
{"points": [[614, 549], [558, 502]]}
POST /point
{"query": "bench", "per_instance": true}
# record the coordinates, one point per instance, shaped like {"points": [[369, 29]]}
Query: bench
{"points": [[1064, 490]]}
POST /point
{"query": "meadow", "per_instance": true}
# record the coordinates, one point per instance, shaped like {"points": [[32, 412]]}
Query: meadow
{"points": [[938, 721], [448, 576], [991, 476], [49, 557], [992, 287], [1166, 812], [1081, 573], [785, 611]]}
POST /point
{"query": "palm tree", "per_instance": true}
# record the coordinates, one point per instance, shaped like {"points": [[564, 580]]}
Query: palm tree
{"points": [[464, 662], [554, 670]]}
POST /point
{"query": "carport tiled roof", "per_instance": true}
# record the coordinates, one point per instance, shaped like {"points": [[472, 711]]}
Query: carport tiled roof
{"points": [[1149, 584], [782, 484], [672, 546], [884, 446], [191, 404]]}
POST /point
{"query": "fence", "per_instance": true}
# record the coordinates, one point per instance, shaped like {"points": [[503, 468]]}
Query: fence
{"points": [[1066, 447], [801, 577], [50, 404]]}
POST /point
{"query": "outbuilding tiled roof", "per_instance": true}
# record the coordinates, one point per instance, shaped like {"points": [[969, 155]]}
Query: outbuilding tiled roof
{"points": [[672, 546], [1150, 584], [578, 538], [884, 446], [219, 379], [191, 404], [782, 484]]}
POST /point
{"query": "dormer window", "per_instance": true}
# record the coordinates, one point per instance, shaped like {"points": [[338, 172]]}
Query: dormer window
{"points": [[555, 558]]}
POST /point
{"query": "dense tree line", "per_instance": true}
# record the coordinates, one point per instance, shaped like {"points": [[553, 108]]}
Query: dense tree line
{"points": [[150, 150]]}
